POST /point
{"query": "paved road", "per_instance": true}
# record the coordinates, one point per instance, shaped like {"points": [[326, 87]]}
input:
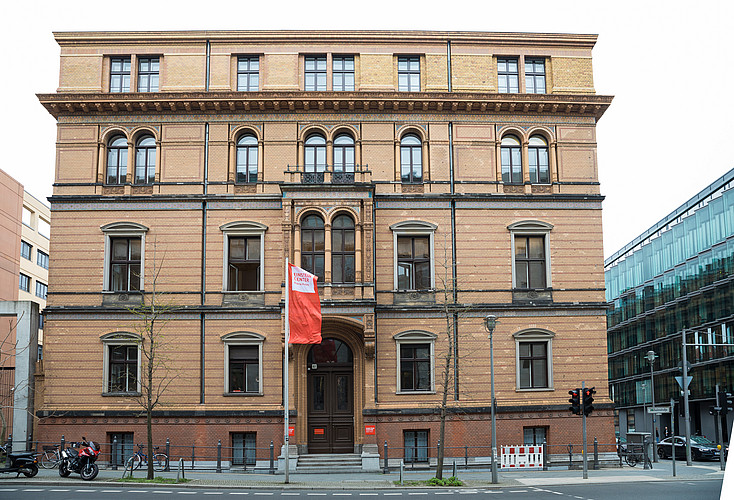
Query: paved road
{"points": [[659, 490]]}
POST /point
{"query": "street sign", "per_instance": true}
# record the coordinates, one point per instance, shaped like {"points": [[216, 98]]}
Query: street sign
{"points": [[680, 381], [659, 409]]}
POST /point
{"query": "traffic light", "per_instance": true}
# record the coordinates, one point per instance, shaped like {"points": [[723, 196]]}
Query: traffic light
{"points": [[725, 402], [575, 401], [588, 400]]}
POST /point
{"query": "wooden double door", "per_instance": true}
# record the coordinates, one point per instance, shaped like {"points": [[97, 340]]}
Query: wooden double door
{"points": [[330, 398]]}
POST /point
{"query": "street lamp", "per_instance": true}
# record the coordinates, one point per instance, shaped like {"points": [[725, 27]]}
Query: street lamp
{"points": [[490, 321], [651, 357]]}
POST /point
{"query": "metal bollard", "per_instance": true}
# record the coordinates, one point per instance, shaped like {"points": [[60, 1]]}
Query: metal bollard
{"points": [[646, 453], [168, 455], [570, 456], [466, 456], [113, 458], [438, 449], [219, 456], [596, 454], [454, 472], [272, 457], [63, 442], [402, 469], [8, 450], [193, 455], [385, 469], [545, 454]]}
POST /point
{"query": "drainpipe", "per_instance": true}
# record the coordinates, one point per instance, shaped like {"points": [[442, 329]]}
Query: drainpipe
{"points": [[448, 62], [453, 231], [202, 316], [374, 281]]}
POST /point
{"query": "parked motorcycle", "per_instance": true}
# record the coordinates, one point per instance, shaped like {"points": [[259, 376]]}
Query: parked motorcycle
{"points": [[80, 461], [23, 462]]}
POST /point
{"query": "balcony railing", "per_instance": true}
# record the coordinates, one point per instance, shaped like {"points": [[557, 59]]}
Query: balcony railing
{"points": [[328, 174]]}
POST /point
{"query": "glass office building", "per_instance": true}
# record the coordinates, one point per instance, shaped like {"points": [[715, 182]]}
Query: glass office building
{"points": [[676, 277]]}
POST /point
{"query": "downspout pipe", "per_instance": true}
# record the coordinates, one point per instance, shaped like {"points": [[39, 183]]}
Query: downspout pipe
{"points": [[454, 277], [202, 315]]}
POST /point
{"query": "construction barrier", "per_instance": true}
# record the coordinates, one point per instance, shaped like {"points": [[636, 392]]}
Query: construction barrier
{"points": [[521, 457]]}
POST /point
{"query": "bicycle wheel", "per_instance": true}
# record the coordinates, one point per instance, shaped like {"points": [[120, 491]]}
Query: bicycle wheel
{"points": [[133, 463], [49, 459], [159, 462], [631, 459]]}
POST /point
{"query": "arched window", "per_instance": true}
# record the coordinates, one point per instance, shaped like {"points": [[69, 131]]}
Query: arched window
{"points": [[342, 250], [344, 153], [313, 250], [411, 161], [117, 160], [538, 160], [145, 160], [511, 159], [247, 159], [315, 156]]}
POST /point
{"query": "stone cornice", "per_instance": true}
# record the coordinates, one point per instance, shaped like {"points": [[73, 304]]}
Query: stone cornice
{"points": [[66, 104], [566, 40]]}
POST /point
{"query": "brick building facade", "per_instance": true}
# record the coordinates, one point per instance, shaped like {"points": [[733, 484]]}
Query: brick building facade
{"points": [[376, 160]]}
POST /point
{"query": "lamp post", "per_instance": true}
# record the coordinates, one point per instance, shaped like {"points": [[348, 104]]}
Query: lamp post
{"points": [[490, 321], [651, 357]]}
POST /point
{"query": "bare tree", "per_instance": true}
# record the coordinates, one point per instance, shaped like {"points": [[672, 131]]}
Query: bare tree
{"points": [[157, 374]]}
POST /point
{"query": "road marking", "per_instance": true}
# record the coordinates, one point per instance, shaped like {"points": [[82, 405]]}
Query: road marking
{"points": [[286, 494], [342, 494], [187, 492], [163, 492], [316, 494], [214, 493], [59, 490], [111, 491], [245, 493], [82, 491], [137, 491], [368, 494], [30, 489], [518, 491], [419, 493], [395, 494], [12, 489], [262, 493]]}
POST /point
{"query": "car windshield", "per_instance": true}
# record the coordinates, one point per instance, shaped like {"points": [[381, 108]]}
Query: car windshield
{"points": [[702, 440]]}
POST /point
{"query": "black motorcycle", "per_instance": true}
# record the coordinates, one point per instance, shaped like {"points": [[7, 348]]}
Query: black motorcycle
{"points": [[23, 462], [80, 461]]}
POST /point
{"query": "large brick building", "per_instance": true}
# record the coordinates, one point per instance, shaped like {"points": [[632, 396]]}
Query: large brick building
{"points": [[374, 160]]}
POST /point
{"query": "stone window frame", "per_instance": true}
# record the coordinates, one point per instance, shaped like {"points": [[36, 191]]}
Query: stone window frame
{"points": [[116, 339], [243, 338], [415, 337], [531, 228], [407, 71], [238, 229], [343, 72], [121, 73], [248, 72], [413, 228], [125, 230], [150, 60], [534, 335]]}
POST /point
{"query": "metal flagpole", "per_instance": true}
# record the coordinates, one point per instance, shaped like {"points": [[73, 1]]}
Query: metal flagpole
{"points": [[285, 370]]}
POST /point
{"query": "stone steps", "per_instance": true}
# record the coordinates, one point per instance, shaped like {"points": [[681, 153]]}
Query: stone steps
{"points": [[332, 463]]}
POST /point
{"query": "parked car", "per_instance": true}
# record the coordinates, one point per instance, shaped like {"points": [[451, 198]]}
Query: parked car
{"points": [[701, 448]]}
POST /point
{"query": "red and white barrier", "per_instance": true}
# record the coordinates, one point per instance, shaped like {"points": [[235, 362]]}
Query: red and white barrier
{"points": [[521, 457]]}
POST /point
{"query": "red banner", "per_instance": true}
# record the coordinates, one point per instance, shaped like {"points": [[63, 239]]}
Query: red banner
{"points": [[304, 308]]}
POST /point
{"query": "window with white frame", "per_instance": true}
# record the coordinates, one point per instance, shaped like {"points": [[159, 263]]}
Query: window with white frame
{"points": [[121, 363], [415, 356], [535, 75], [42, 259], [533, 359], [243, 363], [530, 255], [248, 73], [25, 249], [124, 267], [342, 73], [409, 74], [244, 247], [413, 255], [315, 73], [41, 290]]}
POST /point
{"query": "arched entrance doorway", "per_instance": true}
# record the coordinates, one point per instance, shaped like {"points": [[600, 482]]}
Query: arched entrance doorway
{"points": [[330, 367]]}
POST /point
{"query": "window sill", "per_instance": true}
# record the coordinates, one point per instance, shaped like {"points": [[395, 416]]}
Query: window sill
{"points": [[121, 394], [241, 394], [535, 389], [408, 393]]}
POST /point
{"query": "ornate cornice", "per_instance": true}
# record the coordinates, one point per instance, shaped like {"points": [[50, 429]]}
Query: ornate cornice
{"points": [[71, 104]]}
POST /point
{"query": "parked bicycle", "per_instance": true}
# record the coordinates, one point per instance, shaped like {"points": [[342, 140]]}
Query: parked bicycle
{"points": [[50, 457], [139, 458]]}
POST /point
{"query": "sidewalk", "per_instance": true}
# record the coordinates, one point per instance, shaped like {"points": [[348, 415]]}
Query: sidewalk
{"points": [[326, 481]]}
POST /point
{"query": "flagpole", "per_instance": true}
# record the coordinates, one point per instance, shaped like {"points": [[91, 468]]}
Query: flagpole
{"points": [[285, 370]]}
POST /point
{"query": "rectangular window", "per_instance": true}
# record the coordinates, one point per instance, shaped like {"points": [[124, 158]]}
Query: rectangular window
{"points": [[244, 263], [41, 290], [148, 68], [44, 228], [125, 264], [248, 73], [315, 77], [409, 74], [25, 250], [507, 75], [533, 365], [42, 259], [25, 282], [40, 353], [123, 374], [415, 367], [343, 73], [534, 436], [630, 419], [244, 369], [27, 215], [530, 271], [40, 320], [120, 74], [414, 263], [416, 446], [535, 76], [244, 448]]}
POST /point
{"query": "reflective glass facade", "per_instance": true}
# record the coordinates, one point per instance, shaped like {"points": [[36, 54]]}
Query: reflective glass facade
{"points": [[677, 276]]}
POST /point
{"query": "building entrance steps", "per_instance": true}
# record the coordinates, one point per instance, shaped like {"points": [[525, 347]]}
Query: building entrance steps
{"points": [[333, 463]]}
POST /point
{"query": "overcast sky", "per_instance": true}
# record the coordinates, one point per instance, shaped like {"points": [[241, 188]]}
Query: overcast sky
{"points": [[669, 64]]}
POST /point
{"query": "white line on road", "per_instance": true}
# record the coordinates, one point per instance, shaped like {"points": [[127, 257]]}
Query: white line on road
{"points": [[111, 491], [33, 489], [246, 493], [518, 491], [82, 491], [59, 490], [368, 494], [285, 494], [392, 494], [163, 492], [262, 493], [419, 493], [342, 494], [187, 492], [214, 493], [316, 494]]}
